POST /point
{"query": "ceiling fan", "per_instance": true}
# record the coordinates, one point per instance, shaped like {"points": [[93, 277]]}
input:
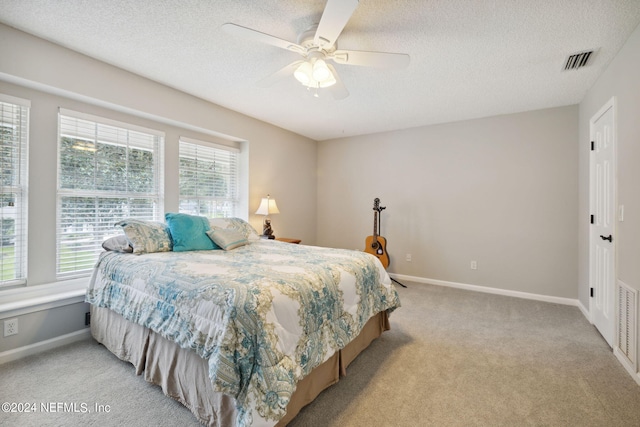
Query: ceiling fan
{"points": [[317, 45]]}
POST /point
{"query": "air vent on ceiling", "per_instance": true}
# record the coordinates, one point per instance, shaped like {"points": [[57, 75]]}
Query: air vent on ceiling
{"points": [[578, 60]]}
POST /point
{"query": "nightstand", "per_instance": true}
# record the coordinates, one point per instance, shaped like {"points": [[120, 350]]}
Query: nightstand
{"points": [[286, 239]]}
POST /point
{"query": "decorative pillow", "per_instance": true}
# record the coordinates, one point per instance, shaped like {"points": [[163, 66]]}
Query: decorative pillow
{"points": [[237, 224], [227, 239], [146, 236], [117, 244], [189, 232]]}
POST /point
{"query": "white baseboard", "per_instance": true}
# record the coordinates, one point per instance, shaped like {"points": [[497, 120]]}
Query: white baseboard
{"points": [[28, 350], [585, 311], [627, 366], [497, 291]]}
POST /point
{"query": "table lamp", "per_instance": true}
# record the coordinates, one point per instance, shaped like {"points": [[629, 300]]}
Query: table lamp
{"points": [[267, 207]]}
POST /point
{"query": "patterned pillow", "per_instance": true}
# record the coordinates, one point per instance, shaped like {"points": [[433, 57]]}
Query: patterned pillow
{"points": [[237, 224], [188, 232], [227, 239], [146, 236]]}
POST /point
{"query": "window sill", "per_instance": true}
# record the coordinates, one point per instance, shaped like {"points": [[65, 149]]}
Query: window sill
{"points": [[28, 299]]}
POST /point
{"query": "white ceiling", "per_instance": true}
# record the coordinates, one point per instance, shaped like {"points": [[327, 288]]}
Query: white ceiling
{"points": [[469, 58]]}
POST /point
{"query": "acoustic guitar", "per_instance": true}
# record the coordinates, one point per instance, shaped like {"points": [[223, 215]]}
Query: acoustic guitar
{"points": [[377, 245]]}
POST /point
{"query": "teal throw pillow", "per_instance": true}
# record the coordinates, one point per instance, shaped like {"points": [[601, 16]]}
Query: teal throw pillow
{"points": [[189, 232]]}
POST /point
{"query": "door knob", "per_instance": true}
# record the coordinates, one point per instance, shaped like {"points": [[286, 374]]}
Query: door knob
{"points": [[609, 238]]}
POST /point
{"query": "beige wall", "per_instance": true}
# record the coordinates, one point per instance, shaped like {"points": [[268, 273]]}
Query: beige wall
{"points": [[279, 162], [620, 80], [502, 191]]}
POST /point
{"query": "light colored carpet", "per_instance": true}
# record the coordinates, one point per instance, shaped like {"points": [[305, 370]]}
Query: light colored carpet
{"points": [[452, 358]]}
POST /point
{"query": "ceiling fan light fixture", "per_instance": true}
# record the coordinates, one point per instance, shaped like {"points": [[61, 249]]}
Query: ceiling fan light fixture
{"points": [[316, 76], [330, 81], [304, 73], [320, 71]]}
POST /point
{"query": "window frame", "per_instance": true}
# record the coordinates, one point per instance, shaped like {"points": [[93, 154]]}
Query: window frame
{"points": [[21, 190], [210, 150], [121, 197]]}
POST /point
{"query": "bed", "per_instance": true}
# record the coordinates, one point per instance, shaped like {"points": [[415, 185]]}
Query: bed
{"points": [[244, 333]]}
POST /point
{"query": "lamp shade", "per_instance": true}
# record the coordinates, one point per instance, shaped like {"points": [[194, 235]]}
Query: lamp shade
{"points": [[329, 81], [303, 74], [320, 71], [267, 206], [316, 75]]}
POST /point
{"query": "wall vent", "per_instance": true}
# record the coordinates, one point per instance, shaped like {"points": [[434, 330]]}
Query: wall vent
{"points": [[627, 315], [578, 60]]}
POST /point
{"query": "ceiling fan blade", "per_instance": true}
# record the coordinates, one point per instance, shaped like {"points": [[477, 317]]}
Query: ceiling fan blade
{"points": [[371, 59], [334, 18], [285, 71], [338, 90], [254, 35]]}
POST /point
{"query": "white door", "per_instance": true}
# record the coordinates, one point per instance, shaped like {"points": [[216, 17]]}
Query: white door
{"points": [[602, 239]]}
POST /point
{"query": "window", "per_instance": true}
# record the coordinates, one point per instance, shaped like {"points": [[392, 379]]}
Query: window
{"points": [[14, 127], [107, 171], [208, 179]]}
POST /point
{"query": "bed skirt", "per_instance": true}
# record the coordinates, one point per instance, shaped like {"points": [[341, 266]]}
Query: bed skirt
{"points": [[183, 375]]}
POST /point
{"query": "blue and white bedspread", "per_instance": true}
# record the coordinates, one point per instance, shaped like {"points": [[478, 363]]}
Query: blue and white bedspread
{"points": [[263, 315]]}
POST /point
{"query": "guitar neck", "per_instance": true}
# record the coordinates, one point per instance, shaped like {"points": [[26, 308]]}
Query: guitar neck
{"points": [[375, 225]]}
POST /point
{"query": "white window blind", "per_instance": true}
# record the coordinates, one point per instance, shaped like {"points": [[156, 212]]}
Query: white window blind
{"points": [[14, 129], [209, 179], [107, 171]]}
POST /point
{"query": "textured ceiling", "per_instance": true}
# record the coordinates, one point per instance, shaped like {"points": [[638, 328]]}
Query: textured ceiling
{"points": [[469, 58]]}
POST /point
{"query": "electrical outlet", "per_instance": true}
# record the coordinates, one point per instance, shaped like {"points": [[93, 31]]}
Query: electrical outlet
{"points": [[408, 258], [474, 265], [11, 327]]}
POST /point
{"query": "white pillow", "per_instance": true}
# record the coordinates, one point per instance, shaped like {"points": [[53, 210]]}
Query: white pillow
{"points": [[117, 244]]}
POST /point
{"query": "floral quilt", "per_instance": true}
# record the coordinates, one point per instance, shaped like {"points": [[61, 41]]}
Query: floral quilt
{"points": [[263, 315]]}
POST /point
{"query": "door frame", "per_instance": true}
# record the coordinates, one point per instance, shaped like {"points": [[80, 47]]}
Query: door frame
{"points": [[610, 104]]}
